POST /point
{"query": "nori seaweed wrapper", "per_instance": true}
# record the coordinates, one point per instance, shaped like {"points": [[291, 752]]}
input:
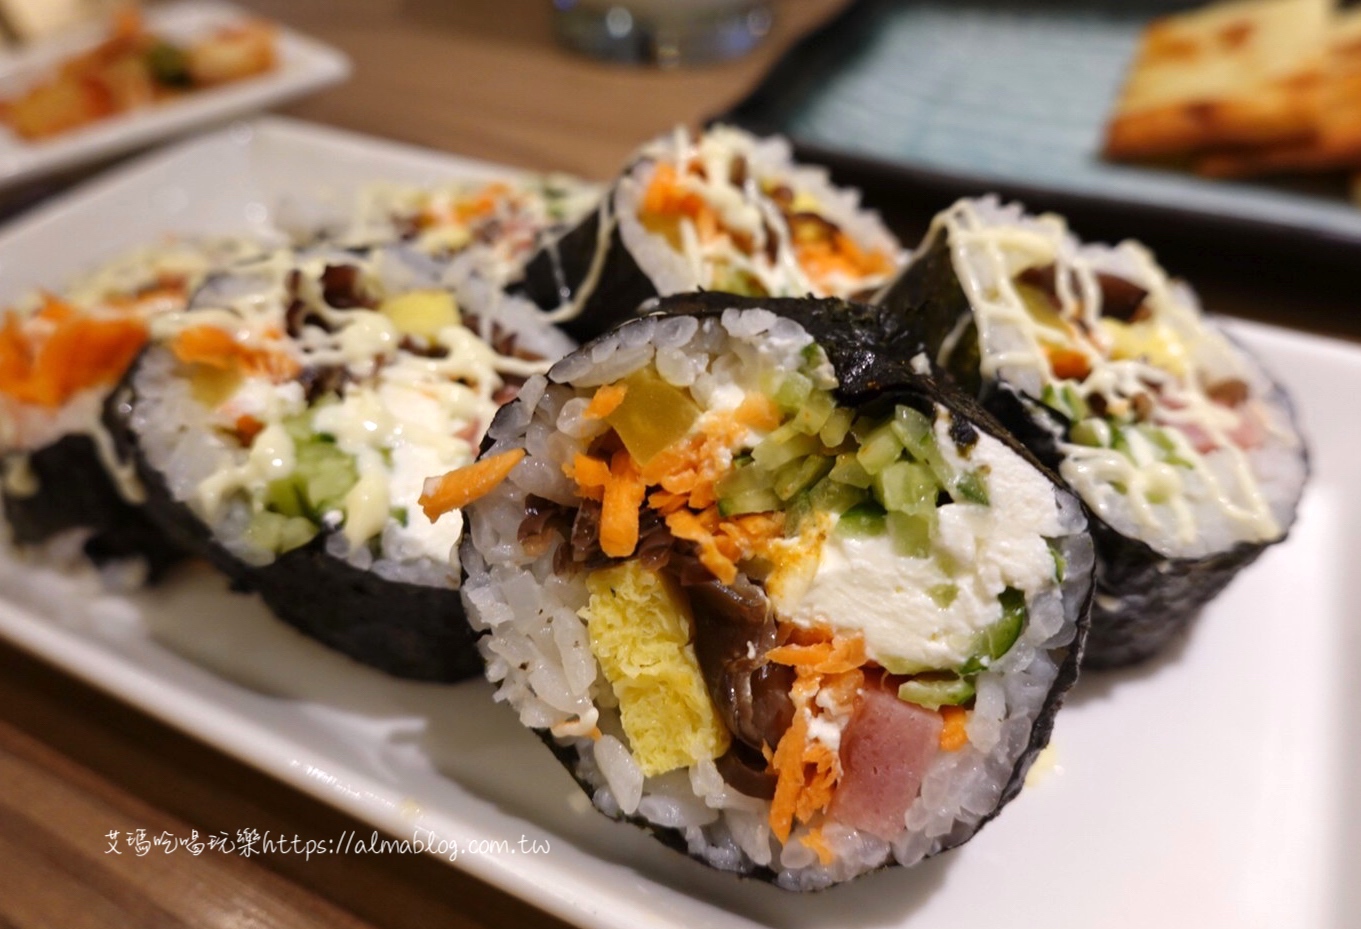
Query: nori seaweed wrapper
{"points": [[873, 360], [75, 491], [562, 266], [407, 630], [1143, 598]]}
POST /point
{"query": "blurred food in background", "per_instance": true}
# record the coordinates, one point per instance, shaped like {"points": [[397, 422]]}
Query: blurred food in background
{"points": [[135, 68], [26, 20], [1247, 88]]}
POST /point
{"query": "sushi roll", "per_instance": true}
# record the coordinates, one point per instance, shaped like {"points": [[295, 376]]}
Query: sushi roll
{"points": [[498, 222], [799, 614], [722, 211], [284, 423], [60, 356], [1177, 440]]}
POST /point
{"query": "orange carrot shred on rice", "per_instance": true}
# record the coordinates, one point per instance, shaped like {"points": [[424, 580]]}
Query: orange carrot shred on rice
{"points": [[590, 473], [619, 509], [462, 486], [955, 735], [217, 348], [605, 401], [68, 354], [815, 842]]}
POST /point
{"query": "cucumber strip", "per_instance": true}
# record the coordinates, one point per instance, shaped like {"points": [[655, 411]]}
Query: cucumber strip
{"points": [[933, 691]]}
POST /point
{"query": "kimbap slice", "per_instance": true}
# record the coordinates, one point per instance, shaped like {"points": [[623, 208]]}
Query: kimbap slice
{"points": [[798, 617], [283, 426], [1180, 444], [60, 356], [720, 211]]}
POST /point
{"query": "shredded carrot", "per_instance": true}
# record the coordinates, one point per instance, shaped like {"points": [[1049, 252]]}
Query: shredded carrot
{"points": [[217, 348], [1067, 362], [833, 657], [806, 770], [462, 486], [699, 528], [619, 510], [483, 203], [247, 428], [591, 475], [665, 502], [955, 735], [817, 843], [606, 401], [64, 352]]}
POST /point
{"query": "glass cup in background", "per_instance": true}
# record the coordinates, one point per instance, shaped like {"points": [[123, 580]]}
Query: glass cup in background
{"points": [[663, 32]]}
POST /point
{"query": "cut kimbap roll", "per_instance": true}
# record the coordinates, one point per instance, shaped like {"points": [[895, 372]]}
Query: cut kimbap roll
{"points": [[283, 426], [722, 211], [1174, 436], [499, 222], [799, 614], [60, 356]]}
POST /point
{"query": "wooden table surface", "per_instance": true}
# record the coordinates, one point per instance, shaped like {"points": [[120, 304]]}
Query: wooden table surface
{"points": [[480, 78]]}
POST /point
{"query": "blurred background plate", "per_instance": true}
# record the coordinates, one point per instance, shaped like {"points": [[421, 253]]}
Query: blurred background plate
{"points": [[962, 96], [304, 65]]}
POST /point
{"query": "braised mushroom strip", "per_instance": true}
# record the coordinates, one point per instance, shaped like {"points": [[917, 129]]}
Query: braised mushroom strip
{"points": [[814, 626]]}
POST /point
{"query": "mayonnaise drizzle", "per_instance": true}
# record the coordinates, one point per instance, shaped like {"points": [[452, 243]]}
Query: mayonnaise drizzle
{"points": [[990, 245], [401, 415]]}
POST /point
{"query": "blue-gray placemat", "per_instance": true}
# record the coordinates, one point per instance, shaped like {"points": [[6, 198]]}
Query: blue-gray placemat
{"points": [[1011, 94]]}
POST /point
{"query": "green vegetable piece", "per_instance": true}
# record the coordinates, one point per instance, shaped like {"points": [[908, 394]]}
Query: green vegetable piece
{"points": [[914, 431], [814, 412], [400, 514], [783, 446], [862, 520], [996, 640], [1060, 562], [935, 690], [1089, 432], [906, 487], [169, 65], [944, 595], [832, 496], [972, 486], [911, 533], [849, 470], [282, 497], [1120, 442], [278, 533], [324, 475], [1075, 402], [879, 449], [1165, 443], [653, 416], [836, 428], [746, 490], [793, 391], [797, 512], [800, 475]]}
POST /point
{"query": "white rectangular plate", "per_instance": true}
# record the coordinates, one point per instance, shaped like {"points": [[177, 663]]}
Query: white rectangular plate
{"points": [[304, 65], [1209, 784]]}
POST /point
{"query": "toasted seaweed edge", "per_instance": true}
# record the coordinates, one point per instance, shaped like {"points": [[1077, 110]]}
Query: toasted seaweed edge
{"points": [[75, 491], [559, 270], [406, 630]]}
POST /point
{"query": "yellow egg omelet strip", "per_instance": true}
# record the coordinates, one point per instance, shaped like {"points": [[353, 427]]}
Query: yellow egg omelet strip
{"points": [[640, 633]]}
